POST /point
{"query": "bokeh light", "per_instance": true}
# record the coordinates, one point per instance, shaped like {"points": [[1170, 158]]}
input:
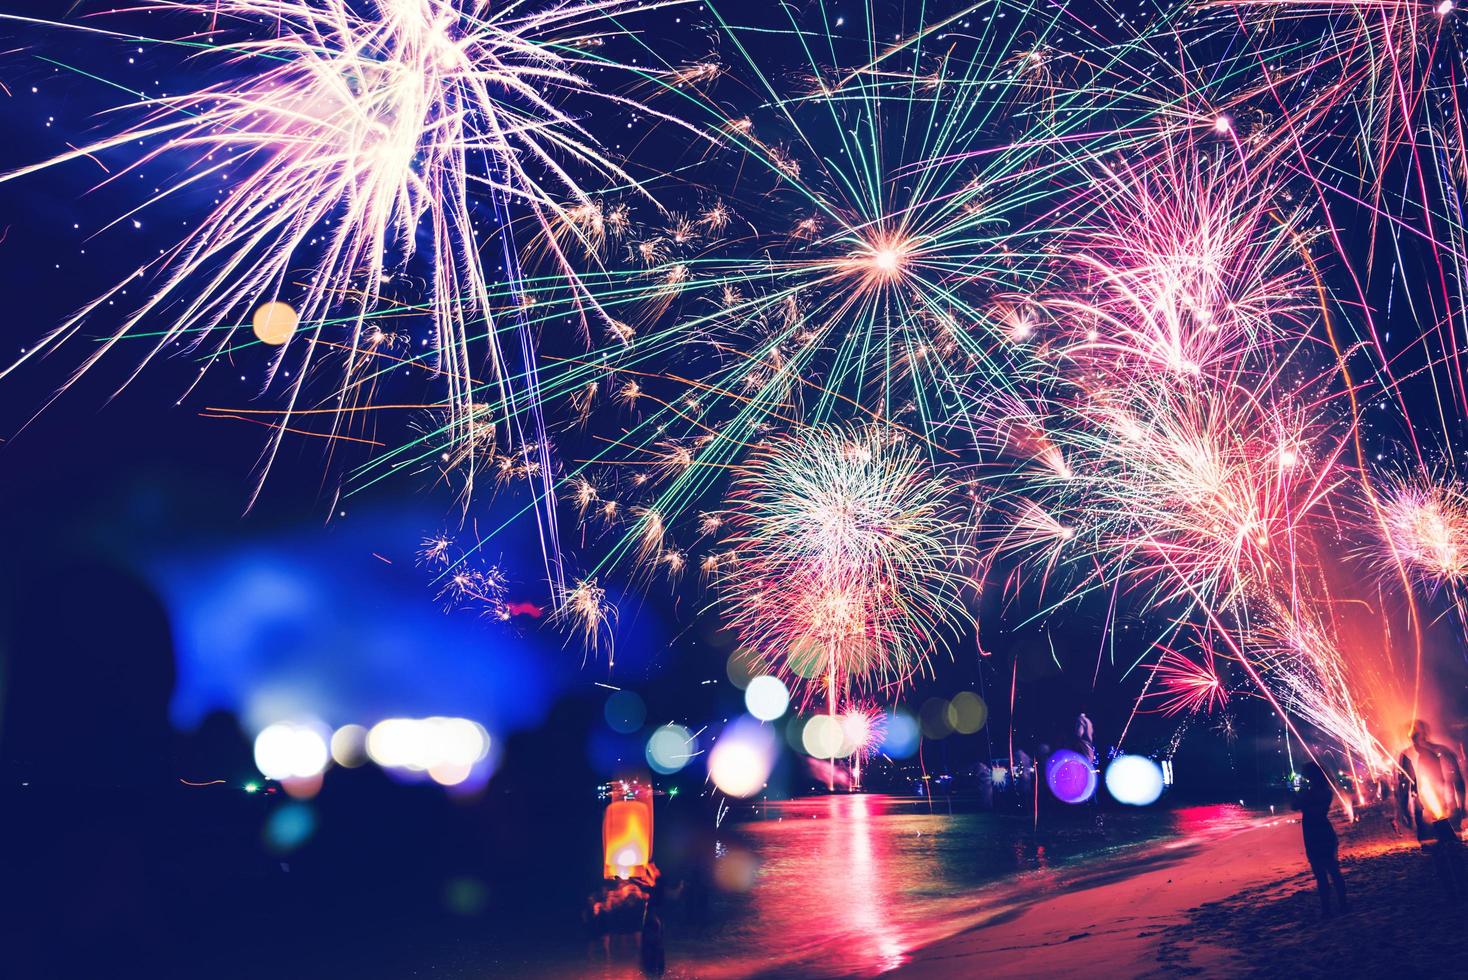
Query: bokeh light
{"points": [[285, 750], [902, 735], [736, 870], [1134, 780], [822, 737], [288, 827], [303, 787], [349, 746], [447, 749], [742, 758], [275, 323], [625, 712], [1070, 777], [933, 719], [465, 896], [766, 697], [395, 743], [807, 659], [669, 748], [740, 669], [795, 732], [450, 773], [967, 713]]}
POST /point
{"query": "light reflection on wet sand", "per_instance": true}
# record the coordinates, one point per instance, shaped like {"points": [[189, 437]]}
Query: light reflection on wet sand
{"points": [[851, 885]]}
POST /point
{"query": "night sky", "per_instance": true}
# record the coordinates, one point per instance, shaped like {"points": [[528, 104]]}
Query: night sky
{"points": [[309, 598]]}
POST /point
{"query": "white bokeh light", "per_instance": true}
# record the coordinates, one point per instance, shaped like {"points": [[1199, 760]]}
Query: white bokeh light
{"points": [[349, 746], [822, 737], [447, 749], [669, 749], [289, 751], [1134, 780], [742, 758], [766, 697]]}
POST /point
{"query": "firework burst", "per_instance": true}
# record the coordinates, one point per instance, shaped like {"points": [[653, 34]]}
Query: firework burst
{"points": [[847, 565], [1191, 266], [1188, 685], [996, 276], [863, 728], [352, 139], [1426, 530]]}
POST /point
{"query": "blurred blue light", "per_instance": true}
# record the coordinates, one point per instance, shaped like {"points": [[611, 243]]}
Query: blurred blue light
{"points": [[290, 826], [902, 735], [308, 623], [625, 712]]}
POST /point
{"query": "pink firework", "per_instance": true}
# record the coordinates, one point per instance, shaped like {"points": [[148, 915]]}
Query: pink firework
{"points": [[863, 729], [1425, 527], [1200, 490], [1190, 267], [1188, 685], [351, 137], [845, 559]]}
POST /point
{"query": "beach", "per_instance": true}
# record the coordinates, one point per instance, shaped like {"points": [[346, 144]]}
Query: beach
{"points": [[1243, 903]]}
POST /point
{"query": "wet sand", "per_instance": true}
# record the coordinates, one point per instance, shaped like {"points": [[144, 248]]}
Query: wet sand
{"points": [[1239, 904], [1400, 922]]}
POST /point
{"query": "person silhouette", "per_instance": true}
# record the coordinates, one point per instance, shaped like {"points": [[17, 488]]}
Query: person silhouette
{"points": [[1430, 771], [1086, 738], [89, 796], [1430, 799], [652, 946], [1313, 800]]}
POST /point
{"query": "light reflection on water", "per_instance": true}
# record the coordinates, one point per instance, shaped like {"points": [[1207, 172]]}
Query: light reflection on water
{"points": [[851, 885]]}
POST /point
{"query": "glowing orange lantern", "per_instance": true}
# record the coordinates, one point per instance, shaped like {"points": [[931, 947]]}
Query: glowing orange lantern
{"points": [[626, 838]]}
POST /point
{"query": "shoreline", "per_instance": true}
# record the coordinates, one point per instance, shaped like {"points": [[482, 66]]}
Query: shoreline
{"points": [[1117, 916]]}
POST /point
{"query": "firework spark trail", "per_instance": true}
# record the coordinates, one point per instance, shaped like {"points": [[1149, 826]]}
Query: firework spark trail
{"points": [[1201, 450], [1317, 682], [353, 138], [1188, 685], [1427, 530], [1391, 71], [1190, 274], [1177, 434], [1188, 455], [1072, 263], [892, 286], [591, 616], [1183, 280]]}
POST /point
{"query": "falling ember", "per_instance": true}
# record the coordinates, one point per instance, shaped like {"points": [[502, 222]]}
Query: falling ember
{"points": [[585, 609]]}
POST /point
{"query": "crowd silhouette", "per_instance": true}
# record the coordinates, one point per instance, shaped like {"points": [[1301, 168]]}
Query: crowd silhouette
{"points": [[135, 850]]}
